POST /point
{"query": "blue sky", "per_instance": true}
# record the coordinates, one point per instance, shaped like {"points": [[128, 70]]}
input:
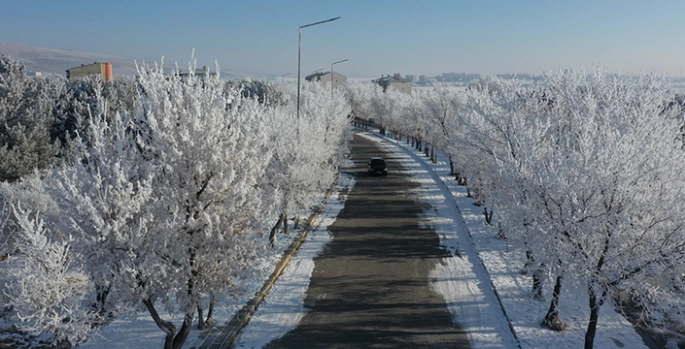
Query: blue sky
{"points": [[377, 36]]}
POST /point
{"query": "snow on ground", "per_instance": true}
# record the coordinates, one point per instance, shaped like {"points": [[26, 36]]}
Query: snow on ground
{"points": [[282, 309], [461, 227]]}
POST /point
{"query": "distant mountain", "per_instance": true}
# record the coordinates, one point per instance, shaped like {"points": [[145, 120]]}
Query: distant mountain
{"points": [[51, 61], [56, 61]]}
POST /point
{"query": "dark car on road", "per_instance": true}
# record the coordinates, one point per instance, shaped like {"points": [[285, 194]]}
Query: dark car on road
{"points": [[377, 166]]}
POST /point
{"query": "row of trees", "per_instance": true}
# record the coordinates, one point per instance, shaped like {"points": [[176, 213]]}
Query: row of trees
{"points": [[158, 195], [39, 115], [584, 172]]}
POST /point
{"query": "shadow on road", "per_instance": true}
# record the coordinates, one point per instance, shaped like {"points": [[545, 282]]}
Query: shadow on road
{"points": [[370, 286]]}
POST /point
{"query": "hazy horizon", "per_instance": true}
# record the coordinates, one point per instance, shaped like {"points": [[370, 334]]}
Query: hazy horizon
{"points": [[378, 37]]}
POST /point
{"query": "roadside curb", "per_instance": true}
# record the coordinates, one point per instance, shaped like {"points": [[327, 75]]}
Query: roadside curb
{"points": [[223, 339]]}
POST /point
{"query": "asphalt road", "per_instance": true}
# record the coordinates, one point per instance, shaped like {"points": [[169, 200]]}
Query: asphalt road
{"points": [[370, 285]]}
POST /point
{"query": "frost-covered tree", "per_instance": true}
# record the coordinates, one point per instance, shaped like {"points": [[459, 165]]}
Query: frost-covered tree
{"points": [[499, 126], [29, 192], [209, 151], [164, 204], [383, 105], [583, 172], [80, 99], [264, 92], [4, 229], [388, 109], [47, 286], [357, 95], [308, 150], [26, 105], [586, 179], [88, 216], [441, 105]]}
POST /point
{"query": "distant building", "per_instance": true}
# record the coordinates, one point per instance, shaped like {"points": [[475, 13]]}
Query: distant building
{"points": [[199, 72], [457, 77], [325, 79], [35, 74], [410, 77], [396, 82], [104, 69]]}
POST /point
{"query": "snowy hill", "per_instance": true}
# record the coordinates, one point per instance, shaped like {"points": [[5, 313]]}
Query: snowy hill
{"points": [[51, 61], [56, 61]]}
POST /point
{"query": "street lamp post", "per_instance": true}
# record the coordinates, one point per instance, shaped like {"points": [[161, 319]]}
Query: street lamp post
{"points": [[344, 60], [299, 59]]}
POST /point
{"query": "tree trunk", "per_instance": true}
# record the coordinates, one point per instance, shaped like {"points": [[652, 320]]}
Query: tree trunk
{"points": [[461, 180], [451, 166], [209, 321], [274, 230], [537, 275], [488, 216], [101, 297], [200, 318], [184, 331], [552, 320], [182, 334], [501, 234], [168, 327], [285, 222], [595, 304], [529, 261], [537, 283]]}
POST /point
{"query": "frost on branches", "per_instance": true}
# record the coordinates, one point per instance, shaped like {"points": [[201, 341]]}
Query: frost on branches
{"points": [[585, 172], [185, 196], [26, 106], [164, 201], [48, 287], [307, 150]]}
